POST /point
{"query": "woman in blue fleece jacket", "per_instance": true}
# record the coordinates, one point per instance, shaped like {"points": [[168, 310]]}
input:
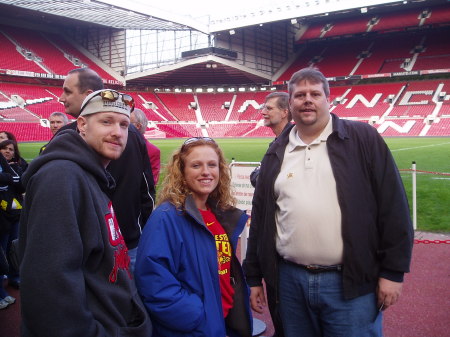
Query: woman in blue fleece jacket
{"points": [[187, 272]]}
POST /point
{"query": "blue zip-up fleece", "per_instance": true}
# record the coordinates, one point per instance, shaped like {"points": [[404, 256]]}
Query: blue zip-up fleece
{"points": [[177, 273]]}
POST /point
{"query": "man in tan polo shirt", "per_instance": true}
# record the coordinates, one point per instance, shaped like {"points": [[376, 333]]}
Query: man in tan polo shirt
{"points": [[331, 232]]}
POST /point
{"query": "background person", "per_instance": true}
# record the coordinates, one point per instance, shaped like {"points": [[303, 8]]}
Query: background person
{"points": [[140, 121], [57, 120], [276, 116], [4, 135], [329, 208], [11, 201], [75, 268], [187, 271], [133, 197]]}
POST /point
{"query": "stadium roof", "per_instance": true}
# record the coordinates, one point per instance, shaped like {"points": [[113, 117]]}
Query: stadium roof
{"points": [[204, 70], [115, 14], [138, 14]]}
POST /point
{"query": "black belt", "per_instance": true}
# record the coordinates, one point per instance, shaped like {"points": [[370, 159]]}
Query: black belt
{"points": [[316, 268]]}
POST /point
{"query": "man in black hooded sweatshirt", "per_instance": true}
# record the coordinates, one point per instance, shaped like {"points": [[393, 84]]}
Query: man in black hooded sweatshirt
{"points": [[75, 268], [134, 195]]}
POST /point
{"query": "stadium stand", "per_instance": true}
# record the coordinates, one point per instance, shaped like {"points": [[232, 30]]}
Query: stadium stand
{"points": [[27, 132], [335, 63], [440, 128], [246, 106], [153, 107], [416, 100], [12, 59], [230, 129], [401, 127], [180, 130], [34, 100], [212, 105], [76, 56], [179, 105], [388, 45], [51, 58], [365, 101], [384, 22]]}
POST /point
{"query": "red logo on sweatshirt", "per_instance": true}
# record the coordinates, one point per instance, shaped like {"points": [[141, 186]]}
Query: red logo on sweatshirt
{"points": [[121, 258]]}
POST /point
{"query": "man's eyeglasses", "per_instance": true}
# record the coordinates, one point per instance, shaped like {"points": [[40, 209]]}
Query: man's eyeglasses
{"points": [[196, 139], [112, 96]]}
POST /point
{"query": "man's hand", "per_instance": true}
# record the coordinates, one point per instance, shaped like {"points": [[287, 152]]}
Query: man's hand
{"points": [[257, 299], [388, 292]]}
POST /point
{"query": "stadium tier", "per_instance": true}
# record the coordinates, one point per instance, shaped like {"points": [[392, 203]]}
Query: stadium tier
{"points": [[378, 55], [42, 53], [366, 47], [395, 109], [180, 105], [384, 22], [214, 107]]}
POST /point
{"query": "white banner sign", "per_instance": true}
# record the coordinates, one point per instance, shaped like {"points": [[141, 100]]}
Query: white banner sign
{"points": [[240, 182]]}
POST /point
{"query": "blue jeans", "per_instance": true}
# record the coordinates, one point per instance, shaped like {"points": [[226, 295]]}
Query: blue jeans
{"points": [[313, 304]]}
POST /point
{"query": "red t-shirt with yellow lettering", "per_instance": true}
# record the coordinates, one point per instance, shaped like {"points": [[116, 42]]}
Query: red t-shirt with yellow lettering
{"points": [[223, 259]]}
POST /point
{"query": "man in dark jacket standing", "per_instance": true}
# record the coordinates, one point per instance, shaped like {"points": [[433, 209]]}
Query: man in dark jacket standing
{"points": [[134, 195], [331, 232], [276, 116], [75, 268]]}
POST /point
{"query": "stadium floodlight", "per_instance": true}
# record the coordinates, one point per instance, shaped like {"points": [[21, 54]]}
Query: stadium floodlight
{"points": [[188, 90], [241, 89], [232, 32], [210, 90], [220, 89], [293, 21], [363, 10]]}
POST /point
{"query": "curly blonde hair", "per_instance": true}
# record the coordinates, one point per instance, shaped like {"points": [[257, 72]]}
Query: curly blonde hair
{"points": [[174, 187]]}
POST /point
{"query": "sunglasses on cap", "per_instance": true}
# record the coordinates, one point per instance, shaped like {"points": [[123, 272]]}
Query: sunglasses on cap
{"points": [[196, 139], [112, 96]]}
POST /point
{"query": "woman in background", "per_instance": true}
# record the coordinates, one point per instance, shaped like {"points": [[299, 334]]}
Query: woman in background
{"points": [[6, 135], [12, 167], [187, 272]]}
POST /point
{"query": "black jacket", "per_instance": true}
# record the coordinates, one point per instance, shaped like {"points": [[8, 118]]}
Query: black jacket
{"points": [[11, 190], [376, 224], [75, 273], [134, 196]]}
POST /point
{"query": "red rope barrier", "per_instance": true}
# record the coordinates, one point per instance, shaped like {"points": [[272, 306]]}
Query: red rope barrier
{"points": [[432, 241], [428, 172]]}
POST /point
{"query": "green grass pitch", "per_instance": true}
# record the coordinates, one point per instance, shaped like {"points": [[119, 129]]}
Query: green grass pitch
{"points": [[430, 154]]}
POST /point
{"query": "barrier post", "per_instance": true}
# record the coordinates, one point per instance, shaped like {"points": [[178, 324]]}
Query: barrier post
{"points": [[414, 194]]}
